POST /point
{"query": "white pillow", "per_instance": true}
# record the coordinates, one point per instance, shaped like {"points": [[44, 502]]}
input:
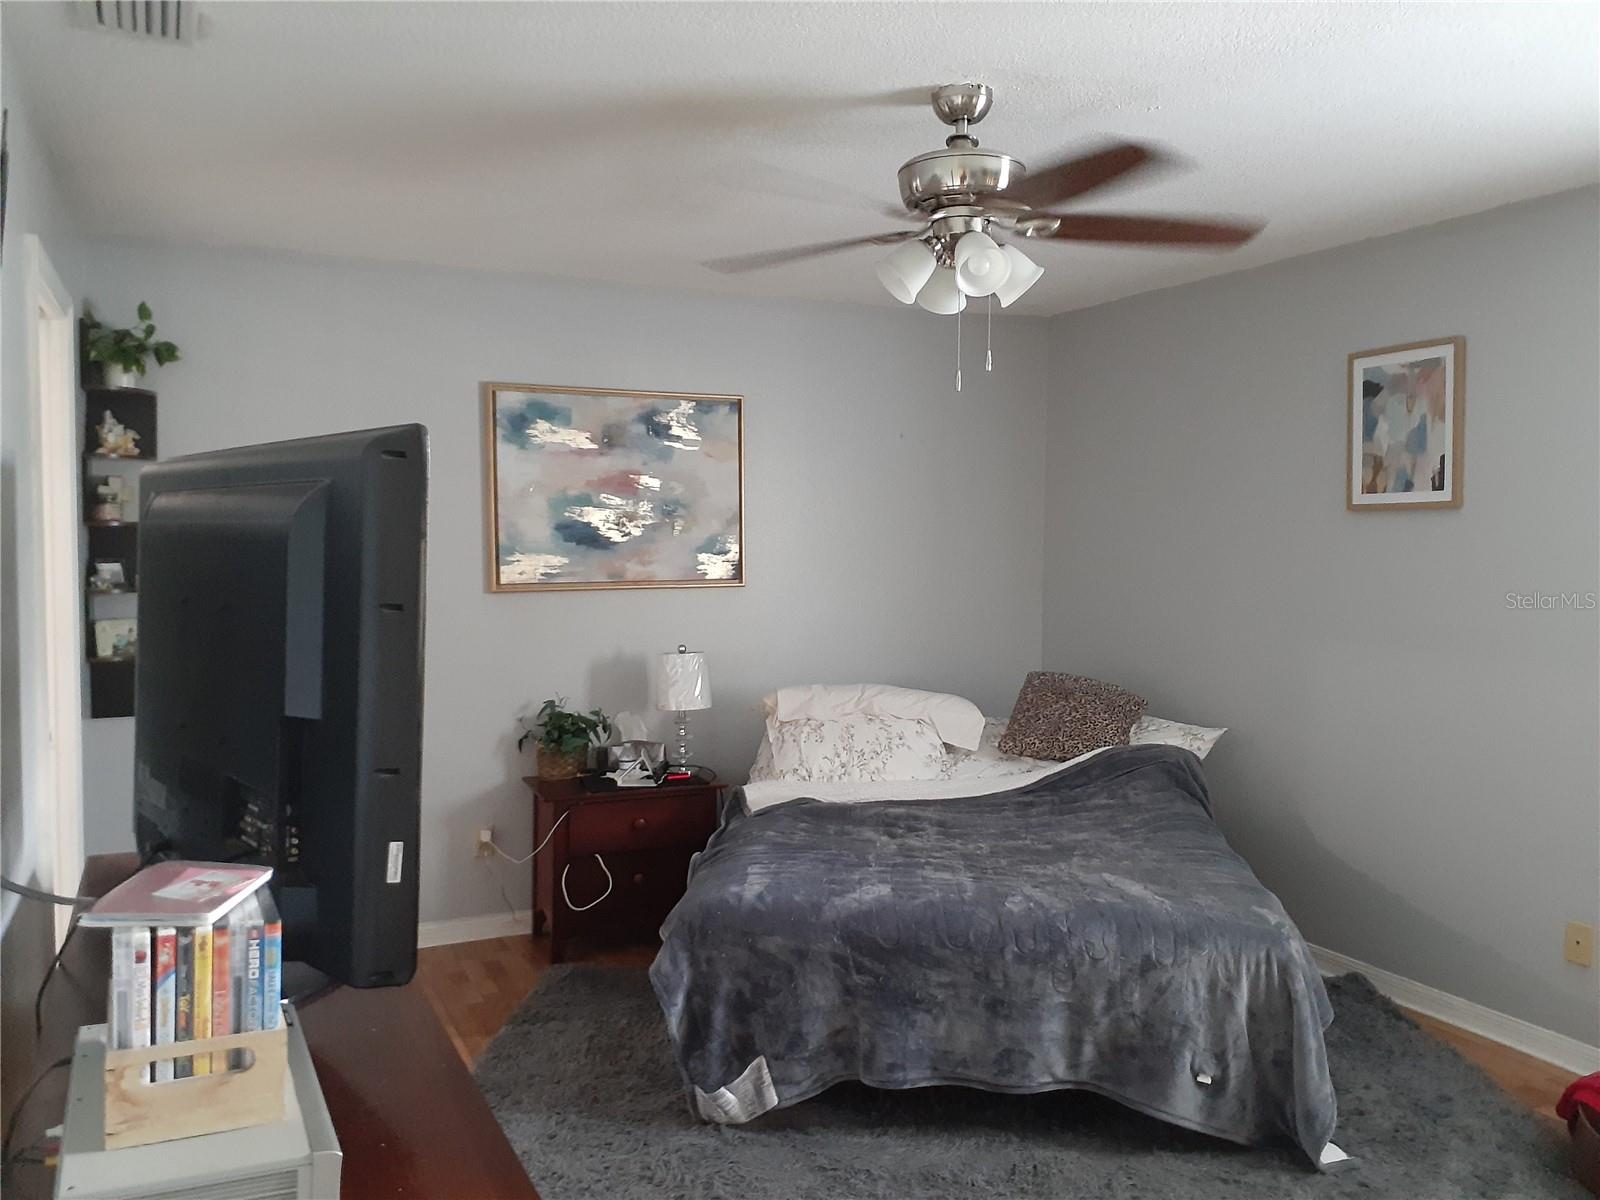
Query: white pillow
{"points": [[1155, 731], [862, 747], [959, 721]]}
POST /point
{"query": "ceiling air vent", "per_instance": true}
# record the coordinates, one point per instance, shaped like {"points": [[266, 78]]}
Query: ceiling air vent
{"points": [[152, 20]]}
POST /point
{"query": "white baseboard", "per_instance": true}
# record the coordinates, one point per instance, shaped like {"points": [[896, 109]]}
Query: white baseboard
{"points": [[1569, 1053], [474, 929]]}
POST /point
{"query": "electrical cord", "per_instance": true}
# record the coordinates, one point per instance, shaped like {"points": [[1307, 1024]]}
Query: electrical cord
{"points": [[32, 893], [6, 1157], [77, 903], [517, 862], [49, 972], [610, 883]]}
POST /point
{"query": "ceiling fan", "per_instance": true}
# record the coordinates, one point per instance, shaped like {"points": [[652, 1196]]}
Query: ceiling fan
{"points": [[963, 195]]}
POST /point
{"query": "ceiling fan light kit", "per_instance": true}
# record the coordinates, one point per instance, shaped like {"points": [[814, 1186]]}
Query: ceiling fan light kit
{"points": [[942, 294], [906, 270], [981, 266], [1022, 274], [963, 195]]}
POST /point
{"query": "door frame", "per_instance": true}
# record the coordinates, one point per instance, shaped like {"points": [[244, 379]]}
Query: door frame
{"points": [[52, 667]]}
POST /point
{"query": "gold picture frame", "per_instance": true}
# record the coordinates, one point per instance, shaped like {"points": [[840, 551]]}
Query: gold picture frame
{"points": [[1426, 386], [587, 425]]}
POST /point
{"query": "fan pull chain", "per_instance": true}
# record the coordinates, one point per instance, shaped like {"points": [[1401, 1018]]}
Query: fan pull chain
{"points": [[958, 346], [988, 338]]}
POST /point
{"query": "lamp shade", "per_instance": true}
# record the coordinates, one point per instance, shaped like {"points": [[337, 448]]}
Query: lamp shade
{"points": [[1023, 275], [981, 266], [684, 683], [905, 270], [941, 295]]}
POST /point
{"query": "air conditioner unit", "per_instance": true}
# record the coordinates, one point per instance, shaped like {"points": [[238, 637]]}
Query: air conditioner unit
{"points": [[297, 1158], [177, 21]]}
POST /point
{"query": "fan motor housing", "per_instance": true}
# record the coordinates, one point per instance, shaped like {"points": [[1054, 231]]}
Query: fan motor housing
{"points": [[956, 175]]}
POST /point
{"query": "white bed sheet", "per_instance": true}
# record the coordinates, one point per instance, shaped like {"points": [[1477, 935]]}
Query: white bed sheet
{"points": [[978, 774]]}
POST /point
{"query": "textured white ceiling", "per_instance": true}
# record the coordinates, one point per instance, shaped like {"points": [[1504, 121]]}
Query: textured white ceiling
{"points": [[630, 141]]}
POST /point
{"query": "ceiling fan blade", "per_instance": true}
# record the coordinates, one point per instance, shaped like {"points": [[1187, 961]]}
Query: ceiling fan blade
{"points": [[1079, 174], [773, 258], [1152, 231]]}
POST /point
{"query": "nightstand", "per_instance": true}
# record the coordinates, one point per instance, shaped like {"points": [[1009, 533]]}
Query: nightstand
{"points": [[644, 836]]}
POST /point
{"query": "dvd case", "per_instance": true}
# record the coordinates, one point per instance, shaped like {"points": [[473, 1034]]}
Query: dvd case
{"points": [[221, 990], [183, 1018], [164, 1002], [271, 960], [255, 933], [201, 986]]}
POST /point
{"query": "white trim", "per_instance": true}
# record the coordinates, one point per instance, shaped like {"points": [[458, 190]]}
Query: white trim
{"points": [[475, 929], [56, 678], [1566, 1052]]}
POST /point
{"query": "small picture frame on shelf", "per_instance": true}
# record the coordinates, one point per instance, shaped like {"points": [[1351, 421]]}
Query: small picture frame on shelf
{"points": [[115, 638], [108, 576]]}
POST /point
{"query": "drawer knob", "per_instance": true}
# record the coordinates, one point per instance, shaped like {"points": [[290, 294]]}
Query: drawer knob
{"points": [[640, 822], [638, 879]]}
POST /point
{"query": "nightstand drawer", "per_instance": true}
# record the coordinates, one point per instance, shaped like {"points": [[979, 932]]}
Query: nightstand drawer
{"points": [[644, 823]]}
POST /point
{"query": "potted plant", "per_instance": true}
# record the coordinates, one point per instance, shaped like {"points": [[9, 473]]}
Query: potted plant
{"points": [[121, 353], [564, 738]]}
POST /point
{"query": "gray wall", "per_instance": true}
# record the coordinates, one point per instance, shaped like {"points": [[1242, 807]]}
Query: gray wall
{"points": [[1412, 765], [33, 205], [893, 526]]}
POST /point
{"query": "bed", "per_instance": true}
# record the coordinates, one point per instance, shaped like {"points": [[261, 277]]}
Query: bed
{"points": [[1017, 926]]}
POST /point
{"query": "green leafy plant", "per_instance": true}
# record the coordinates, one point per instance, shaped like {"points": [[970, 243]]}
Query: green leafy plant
{"points": [[558, 729], [126, 348]]}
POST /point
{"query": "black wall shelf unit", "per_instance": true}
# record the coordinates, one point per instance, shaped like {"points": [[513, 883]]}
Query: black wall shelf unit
{"points": [[113, 539]]}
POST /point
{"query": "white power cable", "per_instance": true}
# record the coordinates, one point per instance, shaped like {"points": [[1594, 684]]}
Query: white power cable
{"points": [[603, 895], [519, 861], [610, 883]]}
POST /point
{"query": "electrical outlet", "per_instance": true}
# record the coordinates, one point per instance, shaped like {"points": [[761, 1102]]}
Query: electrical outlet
{"points": [[485, 841], [1580, 944]]}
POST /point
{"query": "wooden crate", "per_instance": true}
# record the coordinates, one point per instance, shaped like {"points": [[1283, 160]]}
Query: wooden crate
{"points": [[139, 1112]]}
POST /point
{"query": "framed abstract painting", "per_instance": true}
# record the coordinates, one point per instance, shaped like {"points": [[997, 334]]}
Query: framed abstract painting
{"points": [[590, 488], [1406, 421]]}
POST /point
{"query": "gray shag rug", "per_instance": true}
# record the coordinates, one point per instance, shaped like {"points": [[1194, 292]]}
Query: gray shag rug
{"points": [[583, 1082]]}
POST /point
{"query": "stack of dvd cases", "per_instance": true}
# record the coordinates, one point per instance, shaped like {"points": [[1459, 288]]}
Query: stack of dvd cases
{"points": [[194, 974]]}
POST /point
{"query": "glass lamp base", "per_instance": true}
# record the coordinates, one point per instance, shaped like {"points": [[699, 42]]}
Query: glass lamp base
{"points": [[678, 752]]}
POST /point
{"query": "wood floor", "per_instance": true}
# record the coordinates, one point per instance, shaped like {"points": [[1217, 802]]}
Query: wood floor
{"points": [[475, 986]]}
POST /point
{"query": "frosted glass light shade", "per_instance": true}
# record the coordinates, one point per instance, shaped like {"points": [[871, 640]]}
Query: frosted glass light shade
{"points": [[981, 266], [941, 294], [1023, 275], [905, 270], [683, 683]]}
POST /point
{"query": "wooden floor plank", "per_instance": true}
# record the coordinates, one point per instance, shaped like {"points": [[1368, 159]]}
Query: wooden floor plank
{"points": [[476, 986]]}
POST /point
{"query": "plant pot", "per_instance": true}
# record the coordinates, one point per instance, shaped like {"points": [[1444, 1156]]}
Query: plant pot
{"points": [[113, 376], [562, 764]]}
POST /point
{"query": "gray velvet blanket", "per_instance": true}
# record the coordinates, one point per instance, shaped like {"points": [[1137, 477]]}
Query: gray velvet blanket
{"points": [[1092, 931]]}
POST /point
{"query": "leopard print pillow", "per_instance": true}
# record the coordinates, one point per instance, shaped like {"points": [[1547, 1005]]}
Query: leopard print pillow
{"points": [[1061, 716]]}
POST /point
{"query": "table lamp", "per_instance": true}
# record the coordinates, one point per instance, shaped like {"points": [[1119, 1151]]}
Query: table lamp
{"points": [[682, 686]]}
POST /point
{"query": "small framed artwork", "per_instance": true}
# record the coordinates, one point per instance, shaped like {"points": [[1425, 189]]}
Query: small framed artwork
{"points": [[591, 488], [1406, 409], [109, 576], [115, 638]]}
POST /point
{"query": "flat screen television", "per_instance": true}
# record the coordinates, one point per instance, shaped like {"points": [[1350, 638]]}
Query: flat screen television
{"points": [[279, 682]]}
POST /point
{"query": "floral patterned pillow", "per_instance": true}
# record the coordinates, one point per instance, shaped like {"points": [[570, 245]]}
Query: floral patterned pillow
{"points": [[1198, 739], [862, 747]]}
